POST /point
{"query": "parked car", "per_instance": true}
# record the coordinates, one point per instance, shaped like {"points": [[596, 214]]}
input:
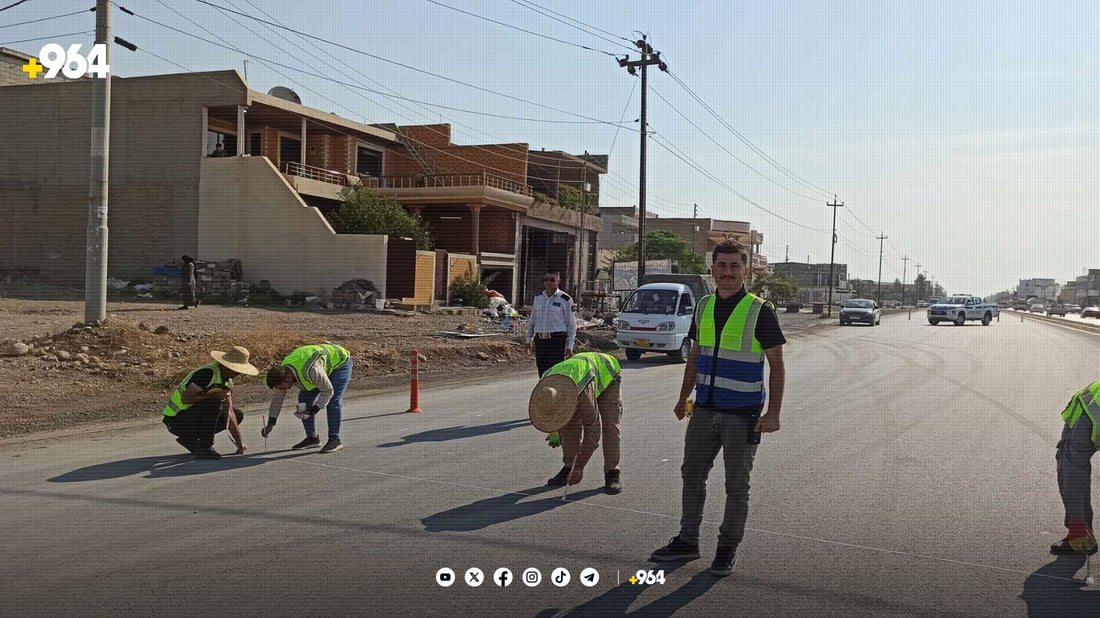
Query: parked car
{"points": [[1058, 310], [1036, 308], [1073, 308], [1090, 312], [656, 318], [922, 303], [860, 310]]}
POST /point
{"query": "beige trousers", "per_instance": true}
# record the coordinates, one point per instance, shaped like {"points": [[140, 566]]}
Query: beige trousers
{"points": [[587, 426]]}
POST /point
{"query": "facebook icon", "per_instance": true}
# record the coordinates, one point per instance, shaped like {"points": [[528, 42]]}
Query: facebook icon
{"points": [[502, 577]]}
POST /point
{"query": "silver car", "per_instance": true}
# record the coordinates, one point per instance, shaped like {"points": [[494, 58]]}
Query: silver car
{"points": [[860, 310]]}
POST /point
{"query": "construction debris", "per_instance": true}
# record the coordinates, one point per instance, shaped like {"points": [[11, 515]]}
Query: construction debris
{"points": [[357, 295], [222, 278]]}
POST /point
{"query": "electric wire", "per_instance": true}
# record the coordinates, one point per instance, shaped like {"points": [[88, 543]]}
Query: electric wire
{"points": [[531, 32], [35, 21]]}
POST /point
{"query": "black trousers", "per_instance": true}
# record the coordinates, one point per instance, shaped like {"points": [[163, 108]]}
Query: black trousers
{"points": [[549, 352], [197, 425]]}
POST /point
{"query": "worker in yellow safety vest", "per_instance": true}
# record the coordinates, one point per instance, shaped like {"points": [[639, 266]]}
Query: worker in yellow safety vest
{"points": [[1075, 450], [322, 373], [202, 406]]}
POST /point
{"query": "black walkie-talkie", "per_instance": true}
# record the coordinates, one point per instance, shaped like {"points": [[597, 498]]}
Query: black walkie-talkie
{"points": [[754, 436]]}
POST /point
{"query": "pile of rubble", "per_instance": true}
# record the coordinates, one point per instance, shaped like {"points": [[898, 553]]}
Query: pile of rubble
{"points": [[222, 278], [356, 295]]}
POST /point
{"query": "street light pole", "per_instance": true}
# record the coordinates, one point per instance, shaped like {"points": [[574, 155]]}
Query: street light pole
{"points": [[832, 255]]}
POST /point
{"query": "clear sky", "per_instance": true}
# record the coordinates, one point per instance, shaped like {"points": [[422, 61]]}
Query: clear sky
{"points": [[966, 131]]}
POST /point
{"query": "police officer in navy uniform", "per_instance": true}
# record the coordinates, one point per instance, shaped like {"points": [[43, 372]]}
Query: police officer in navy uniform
{"points": [[552, 327]]}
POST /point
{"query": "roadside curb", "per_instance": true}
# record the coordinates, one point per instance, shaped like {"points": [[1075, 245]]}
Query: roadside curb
{"points": [[1071, 324]]}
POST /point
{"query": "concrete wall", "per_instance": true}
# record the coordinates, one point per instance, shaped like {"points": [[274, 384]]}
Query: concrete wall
{"points": [[459, 266], [247, 210], [425, 279]]}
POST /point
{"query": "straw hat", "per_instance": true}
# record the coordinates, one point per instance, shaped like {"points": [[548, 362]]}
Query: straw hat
{"points": [[236, 359], [553, 403]]}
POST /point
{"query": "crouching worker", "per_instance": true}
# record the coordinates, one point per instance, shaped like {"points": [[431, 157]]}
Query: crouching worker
{"points": [[322, 373], [1075, 450], [580, 398], [202, 405]]}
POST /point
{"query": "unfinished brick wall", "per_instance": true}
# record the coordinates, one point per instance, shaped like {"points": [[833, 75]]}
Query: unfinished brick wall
{"points": [[505, 160], [497, 231]]}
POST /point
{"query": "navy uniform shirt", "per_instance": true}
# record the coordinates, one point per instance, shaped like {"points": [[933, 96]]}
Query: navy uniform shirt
{"points": [[553, 314]]}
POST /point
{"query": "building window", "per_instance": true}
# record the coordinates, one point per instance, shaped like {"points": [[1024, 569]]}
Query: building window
{"points": [[227, 140], [255, 145], [368, 162]]}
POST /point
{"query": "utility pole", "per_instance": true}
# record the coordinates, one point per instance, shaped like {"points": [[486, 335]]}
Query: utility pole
{"points": [[880, 238], [648, 57], [787, 256], [904, 264], [832, 256], [694, 227], [916, 292], [95, 260]]}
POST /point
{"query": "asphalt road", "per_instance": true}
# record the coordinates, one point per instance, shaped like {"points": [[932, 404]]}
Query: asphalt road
{"points": [[914, 475]]}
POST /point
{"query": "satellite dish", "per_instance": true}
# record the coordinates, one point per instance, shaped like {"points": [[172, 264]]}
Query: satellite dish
{"points": [[286, 94]]}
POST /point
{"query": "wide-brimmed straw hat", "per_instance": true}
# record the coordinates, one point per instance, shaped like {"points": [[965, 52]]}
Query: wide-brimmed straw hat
{"points": [[236, 359], [553, 403]]}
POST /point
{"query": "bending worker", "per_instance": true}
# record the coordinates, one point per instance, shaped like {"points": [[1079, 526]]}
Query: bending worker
{"points": [[1075, 450], [202, 406], [581, 399], [322, 373]]}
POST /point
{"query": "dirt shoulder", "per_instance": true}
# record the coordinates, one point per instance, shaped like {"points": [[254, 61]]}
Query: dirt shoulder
{"points": [[74, 376]]}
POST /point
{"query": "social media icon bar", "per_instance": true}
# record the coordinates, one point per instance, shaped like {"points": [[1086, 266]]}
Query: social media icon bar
{"points": [[532, 577], [590, 577], [445, 577], [475, 577], [560, 577], [502, 578]]}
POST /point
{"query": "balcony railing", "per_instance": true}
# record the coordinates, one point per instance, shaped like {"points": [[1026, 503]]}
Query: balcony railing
{"points": [[293, 168], [456, 180]]}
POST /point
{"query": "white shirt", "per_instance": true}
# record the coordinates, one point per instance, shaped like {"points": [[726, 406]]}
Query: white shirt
{"points": [[317, 374], [553, 314]]}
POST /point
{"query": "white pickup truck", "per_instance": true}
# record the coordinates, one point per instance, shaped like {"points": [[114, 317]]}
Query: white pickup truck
{"points": [[959, 309]]}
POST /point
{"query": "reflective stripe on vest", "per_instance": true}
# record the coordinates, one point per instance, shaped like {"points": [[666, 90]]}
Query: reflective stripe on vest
{"points": [[733, 365], [301, 359], [175, 403], [1086, 401], [586, 367]]}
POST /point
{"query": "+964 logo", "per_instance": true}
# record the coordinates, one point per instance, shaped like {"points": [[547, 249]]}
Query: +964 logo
{"points": [[54, 59]]}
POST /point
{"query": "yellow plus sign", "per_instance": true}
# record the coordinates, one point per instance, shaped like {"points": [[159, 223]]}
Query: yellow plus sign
{"points": [[633, 580], [32, 68]]}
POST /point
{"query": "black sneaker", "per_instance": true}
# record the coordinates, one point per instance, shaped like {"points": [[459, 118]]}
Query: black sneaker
{"points": [[332, 445], [613, 482], [308, 442], [1062, 548], [561, 478], [724, 559], [185, 444], [676, 550], [206, 452]]}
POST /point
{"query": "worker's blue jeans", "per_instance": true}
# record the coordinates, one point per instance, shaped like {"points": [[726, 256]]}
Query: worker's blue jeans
{"points": [[339, 379]]}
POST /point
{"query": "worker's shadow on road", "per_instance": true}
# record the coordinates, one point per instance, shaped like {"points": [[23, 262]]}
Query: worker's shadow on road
{"points": [[168, 466], [459, 432], [617, 601], [500, 509], [1052, 590], [647, 362]]}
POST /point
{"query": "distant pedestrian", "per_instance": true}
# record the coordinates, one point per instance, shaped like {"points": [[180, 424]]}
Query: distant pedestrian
{"points": [[202, 404], [188, 285], [1075, 450], [322, 373], [219, 151], [734, 333], [552, 327], [581, 399]]}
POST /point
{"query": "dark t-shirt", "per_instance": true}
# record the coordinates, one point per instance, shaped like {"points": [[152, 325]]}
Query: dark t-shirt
{"points": [[768, 333], [202, 378]]}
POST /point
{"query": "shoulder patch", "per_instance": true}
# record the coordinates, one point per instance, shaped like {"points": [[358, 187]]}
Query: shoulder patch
{"points": [[566, 297]]}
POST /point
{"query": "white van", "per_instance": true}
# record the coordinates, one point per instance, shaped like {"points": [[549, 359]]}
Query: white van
{"points": [[656, 318]]}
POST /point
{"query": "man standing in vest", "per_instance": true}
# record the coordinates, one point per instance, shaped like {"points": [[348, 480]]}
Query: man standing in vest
{"points": [[1075, 450], [201, 405], [552, 323], [581, 399], [322, 372], [734, 332]]}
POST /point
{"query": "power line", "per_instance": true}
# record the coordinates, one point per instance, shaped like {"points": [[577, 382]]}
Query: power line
{"points": [[12, 6], [35, 21], [531, 6], [406, 66], [45, 38], [531, 32]]}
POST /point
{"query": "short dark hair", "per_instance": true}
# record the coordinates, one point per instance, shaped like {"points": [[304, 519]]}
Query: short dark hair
{"points": [[729, 246], [553, 271], [275, 376]]}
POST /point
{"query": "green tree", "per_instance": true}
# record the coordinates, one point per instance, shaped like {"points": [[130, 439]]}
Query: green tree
{"points": [[365, 211], [776, 288], [571, 198], [662, 245]]}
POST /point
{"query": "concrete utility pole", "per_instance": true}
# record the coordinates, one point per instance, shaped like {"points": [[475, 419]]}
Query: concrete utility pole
{"points": [[832, 256], [904, 264], [648, 57], [694, 227], [916, 292], [879, 293], [95, 262]]}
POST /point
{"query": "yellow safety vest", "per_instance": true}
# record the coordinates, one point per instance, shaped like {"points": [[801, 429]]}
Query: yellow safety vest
{"points": [[175, 403], [1084, 401], [735, 364], [587, 367], [302, 358]]}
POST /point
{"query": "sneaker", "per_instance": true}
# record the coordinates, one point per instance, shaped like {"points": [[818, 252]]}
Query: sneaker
{"points": [[724, 559], [561, 478], [307, 443], [676, 550], [206, 452], [1062, 548], [332, 445], [613, 482], [185, 444]]}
